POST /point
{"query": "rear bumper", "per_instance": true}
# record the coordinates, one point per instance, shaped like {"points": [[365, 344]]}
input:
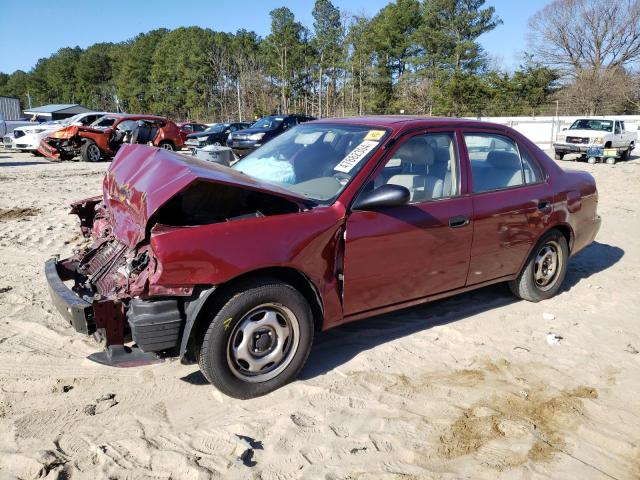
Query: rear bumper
{"points": [[75, 310]]}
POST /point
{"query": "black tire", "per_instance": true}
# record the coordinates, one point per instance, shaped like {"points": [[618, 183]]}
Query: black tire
{"points": [[90, 152], [167, 145], [526, 286], [217, 358], [36, 153], [626, 154], [559, 156]]}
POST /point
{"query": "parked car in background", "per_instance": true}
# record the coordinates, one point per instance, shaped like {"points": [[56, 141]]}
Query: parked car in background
{"points": [[246, 141], [187, 128], [103, 138], [215, 135], [174, 263], [8, 126], [28, 138], [587, 133]]}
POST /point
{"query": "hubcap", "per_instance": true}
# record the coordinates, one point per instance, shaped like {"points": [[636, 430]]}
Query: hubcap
{"points": [[167, 146], [547, 264], [263, 343], [94, 153]]}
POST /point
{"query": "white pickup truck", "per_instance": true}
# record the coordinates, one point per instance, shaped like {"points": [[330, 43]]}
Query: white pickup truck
{"points": [[587, 133]]}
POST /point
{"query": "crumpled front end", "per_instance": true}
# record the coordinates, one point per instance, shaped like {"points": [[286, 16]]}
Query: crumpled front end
{"points": [[104, 290], [133, 282], [62, 144]]}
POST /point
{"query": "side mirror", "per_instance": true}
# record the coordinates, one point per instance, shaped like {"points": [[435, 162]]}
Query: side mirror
{"points": [[564, 129], [384, 196]]}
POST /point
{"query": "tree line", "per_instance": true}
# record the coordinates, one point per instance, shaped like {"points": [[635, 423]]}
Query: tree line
{"points": [[413, 56]]}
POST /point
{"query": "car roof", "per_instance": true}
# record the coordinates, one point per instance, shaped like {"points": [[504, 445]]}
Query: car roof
{"points": [[140, 117], [399, 122]]}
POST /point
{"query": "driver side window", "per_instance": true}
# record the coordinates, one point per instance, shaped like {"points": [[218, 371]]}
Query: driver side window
{"points": [[427, 165]]}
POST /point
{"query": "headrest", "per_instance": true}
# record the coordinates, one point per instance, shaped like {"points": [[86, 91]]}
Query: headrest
{"points": [[416, 151], [307, 138], [500, 159]]}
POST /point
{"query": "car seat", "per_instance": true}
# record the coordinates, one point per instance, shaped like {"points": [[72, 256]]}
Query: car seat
{"points": [[416, 157]]}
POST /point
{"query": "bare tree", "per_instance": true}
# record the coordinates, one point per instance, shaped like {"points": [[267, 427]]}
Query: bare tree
{"points": [[598, 92], [574, 35]]}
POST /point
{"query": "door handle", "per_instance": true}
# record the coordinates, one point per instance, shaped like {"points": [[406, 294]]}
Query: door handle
{"points": [[458, 221], [544, 205]]}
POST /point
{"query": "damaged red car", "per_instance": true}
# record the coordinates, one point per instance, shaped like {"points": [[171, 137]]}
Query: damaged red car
{"points": [[335, 220], [103, 138]]}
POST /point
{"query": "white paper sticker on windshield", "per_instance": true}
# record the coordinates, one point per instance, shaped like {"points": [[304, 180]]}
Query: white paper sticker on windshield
{"points": [[356, 155]]}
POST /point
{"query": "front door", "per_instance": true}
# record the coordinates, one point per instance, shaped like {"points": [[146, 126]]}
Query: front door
{"points": [[395, 255]]}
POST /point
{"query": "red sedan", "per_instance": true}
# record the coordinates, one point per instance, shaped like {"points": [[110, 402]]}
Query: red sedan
{"points": [[333, 221]]}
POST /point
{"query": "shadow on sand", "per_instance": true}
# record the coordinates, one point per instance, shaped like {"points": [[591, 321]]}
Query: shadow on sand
{"points": [[338, 345], [20, 164]]}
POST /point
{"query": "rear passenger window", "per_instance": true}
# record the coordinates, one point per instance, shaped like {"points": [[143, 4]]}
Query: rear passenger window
{"points": [[426, 165], [532, 171], [496, 163]]}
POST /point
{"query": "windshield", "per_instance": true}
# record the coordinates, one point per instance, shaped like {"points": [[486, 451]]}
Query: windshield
{"points": [[268, 123], [105, 121], [588, 124], [316, 161], [215, 128]]}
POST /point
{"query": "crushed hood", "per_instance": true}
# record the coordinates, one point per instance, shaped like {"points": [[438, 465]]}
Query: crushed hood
{"points": [[72, 130], [141, 179]]}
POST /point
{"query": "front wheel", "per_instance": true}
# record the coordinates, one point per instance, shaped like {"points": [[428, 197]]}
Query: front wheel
{"points": [[259, 340], [559, 156], [544, 272], [167, 145], [90, 152]]}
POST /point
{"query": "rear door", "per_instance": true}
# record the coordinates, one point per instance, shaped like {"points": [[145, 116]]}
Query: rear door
{"points": [[512, 203], [396, 255]]}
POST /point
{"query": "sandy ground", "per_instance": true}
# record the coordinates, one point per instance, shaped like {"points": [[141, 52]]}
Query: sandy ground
{"points": [[468, 387]]}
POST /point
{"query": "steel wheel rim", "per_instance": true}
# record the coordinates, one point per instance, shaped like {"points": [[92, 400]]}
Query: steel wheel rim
{"points": [[94, 153], [166, 146], [547, 265], [263, 343]]}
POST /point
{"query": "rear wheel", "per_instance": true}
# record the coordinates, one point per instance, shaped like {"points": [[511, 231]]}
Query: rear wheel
{"points": [[90, 152], [167, 145], [259, 340], [545, 269]]}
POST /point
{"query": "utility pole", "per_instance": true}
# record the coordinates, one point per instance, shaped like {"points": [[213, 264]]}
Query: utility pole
{"points": [[553, 125], [239, 102]]}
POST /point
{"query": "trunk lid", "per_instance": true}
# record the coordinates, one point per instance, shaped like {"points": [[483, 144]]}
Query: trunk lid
{"points": [[141, 179]]}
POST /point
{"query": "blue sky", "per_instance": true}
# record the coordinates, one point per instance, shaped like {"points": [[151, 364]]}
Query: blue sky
{"points": [[33, 29]]}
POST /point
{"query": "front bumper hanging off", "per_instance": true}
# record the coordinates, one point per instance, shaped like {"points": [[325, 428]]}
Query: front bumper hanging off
{"points": [[103, 318], [77, 311]]}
